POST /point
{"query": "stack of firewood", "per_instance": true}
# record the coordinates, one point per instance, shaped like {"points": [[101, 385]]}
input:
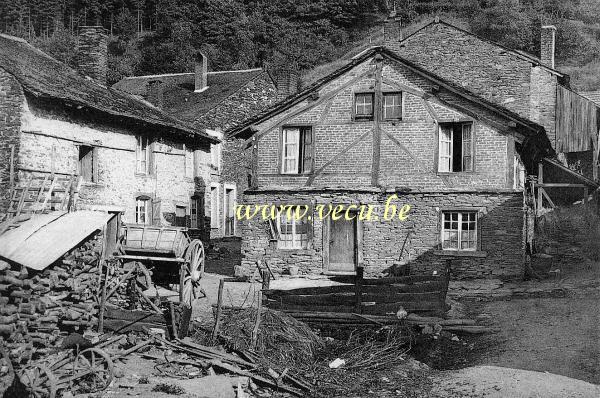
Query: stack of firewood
{"points": [[38, 308]]}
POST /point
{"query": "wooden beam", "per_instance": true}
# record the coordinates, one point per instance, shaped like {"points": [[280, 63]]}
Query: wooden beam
{"points": [[337, 155], [540, 181], [377, 113], [547, 197], [560, 185]]}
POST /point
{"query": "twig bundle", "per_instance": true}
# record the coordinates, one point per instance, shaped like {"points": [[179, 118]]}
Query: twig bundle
{"points": [[279, 336], [370, 353]]}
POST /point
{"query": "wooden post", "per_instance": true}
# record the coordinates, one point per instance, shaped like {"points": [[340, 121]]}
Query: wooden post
{"points": [[257, 320], [585, 196], [540, 181], [215, 332], [266, 279], [358, 281], [102, 299]]}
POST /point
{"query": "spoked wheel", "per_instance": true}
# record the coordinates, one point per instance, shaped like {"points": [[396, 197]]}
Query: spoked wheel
{"points": [[191, 272], [39, 381], [92, 371]]}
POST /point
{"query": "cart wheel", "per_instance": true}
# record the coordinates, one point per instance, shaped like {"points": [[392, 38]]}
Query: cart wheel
{"points": [[39, 381], [92, 370]]}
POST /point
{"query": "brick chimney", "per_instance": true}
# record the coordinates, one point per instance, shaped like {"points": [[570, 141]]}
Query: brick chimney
{"points": [[547, 45], [287, 81], [155, 93], [92, 53], [201, 70], [392, 32]]}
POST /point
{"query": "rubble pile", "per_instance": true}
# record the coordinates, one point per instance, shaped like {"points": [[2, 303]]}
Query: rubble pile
{"points": [[38, 308]]}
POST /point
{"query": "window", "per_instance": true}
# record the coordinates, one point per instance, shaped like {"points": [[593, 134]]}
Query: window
{"points": [[214, 207], [196, 207], [297, 150], [143, 210], [229, 209], [215, 155], [392, 106], [143, 154], [459, 230], [88, 163], [180, 213], [456, 147], [293, 232], [363, 105]]}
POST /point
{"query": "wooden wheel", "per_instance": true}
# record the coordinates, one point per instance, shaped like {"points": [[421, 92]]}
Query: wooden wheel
{"points": [[39, 381], [92, 370]]}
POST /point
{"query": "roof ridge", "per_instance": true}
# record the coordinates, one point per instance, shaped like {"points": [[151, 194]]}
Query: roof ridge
{"points": [[190, 73]]}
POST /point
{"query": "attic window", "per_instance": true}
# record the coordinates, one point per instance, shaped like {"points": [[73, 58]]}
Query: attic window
{"points": [[363, 106], [455, 147]]}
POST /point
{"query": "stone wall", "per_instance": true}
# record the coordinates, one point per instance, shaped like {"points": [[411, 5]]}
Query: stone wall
{"points": [[252, 98], [499, 252], [486, 69], [50, 141], [11, 104]]}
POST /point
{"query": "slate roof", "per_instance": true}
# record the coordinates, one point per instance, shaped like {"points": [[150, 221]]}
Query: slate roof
{"points": [[179, 96], [519, 53], [42, 76]]}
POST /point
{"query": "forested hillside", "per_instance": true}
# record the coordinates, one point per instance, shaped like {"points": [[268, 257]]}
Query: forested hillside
{"points": [[158, 36]]}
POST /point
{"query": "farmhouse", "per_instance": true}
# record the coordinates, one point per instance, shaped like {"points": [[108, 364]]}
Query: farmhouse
{"points": [[65, 131], [218, 101], [523, 83], [383, 126]]}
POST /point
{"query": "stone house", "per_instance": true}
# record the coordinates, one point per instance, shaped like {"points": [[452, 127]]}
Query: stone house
{"points": [[216, 100], [130, 156], [523, 83], [377, 135]]}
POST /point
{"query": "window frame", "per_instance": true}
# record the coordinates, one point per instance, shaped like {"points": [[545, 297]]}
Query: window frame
{"points": [[302, 244], [302, 168], [440, 156], [233, 189], [214, 207], [147, 209], [383, 107], [362, 116], [459, 230], [148, 155]]}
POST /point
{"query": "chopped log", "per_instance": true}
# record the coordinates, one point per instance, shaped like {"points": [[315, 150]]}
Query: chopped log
{"points": [[469, 329], [7, 329], [11, 280], [8, 310], [5, 320]]}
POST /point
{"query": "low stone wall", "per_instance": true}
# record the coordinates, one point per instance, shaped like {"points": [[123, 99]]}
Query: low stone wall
{"points": [[500, 229]]}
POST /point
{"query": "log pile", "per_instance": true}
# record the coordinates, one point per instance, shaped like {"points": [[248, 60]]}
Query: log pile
{"points": [[38, 308]]}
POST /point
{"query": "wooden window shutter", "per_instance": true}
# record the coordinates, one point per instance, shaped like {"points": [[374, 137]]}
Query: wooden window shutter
{"points": [[467, 149], [156, 211], [273, 229], [307, 161], [95, 171], [151, 161]]}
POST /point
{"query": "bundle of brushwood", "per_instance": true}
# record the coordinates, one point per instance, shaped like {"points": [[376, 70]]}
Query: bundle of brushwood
{"points": [[38, 308]]}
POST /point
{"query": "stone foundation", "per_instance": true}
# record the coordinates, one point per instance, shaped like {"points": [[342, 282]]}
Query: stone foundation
{"points": [[500, 229]]}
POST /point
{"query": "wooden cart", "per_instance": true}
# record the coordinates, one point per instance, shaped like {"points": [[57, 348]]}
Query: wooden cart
{"points": [[177, 258]]}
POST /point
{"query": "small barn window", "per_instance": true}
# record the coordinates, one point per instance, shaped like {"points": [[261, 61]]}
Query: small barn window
{"points": [[363, 105], [455, 147], [143, 210], [392, 106], [88, 163], [297, 150], [459, 230], [180, 216], [144, 155]]}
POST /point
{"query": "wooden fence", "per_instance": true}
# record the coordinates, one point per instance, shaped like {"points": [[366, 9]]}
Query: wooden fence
{"points": [[381, 296]]}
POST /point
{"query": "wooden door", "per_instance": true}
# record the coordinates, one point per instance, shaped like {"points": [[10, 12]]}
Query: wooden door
{"points": [[342, 246]]}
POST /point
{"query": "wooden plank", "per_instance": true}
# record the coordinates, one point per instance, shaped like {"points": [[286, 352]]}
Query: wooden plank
{"points": [[550, 202], [126, 326], [111, 312], [561, 185], [540, 205], [353, 298], [382, 289]]}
